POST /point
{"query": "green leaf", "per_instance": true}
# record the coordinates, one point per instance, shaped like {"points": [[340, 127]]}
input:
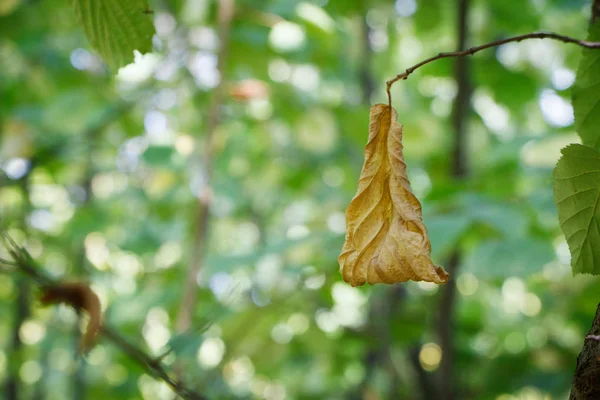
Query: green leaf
{"points": [[158, 155], [508, 220], [444, 232], [513, 257], [577, 194], [116, 28], [586, 93]]}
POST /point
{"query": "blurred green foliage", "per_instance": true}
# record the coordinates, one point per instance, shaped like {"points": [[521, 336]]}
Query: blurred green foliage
{"points": [[102, 173]]}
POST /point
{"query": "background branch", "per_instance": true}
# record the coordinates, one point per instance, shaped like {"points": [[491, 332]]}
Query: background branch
{"points": [[459, 170], [226, 12]]}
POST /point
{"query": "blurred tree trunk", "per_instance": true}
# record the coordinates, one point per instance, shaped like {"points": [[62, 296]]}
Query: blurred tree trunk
{"points": [[459, 170], [225, 14]]}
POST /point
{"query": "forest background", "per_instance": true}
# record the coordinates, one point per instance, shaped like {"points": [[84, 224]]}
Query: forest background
{"points": [[201, 192]]}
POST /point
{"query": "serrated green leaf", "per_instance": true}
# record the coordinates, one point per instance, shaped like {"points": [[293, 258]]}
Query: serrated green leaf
{"points": [[577, 194], [586, 93], [116, 28]]}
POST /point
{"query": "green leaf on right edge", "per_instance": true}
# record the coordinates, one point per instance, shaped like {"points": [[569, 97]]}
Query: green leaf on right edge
{"points": [[577, 194], [586, 92], [116, 28]]}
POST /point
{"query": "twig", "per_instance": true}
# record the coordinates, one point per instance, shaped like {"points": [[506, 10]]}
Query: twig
{"points": [[154, 366], [7, 262], [25, 264], [473, 50]]}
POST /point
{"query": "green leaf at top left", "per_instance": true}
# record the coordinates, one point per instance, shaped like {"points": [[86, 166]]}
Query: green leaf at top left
{"points": [[116, 28]]}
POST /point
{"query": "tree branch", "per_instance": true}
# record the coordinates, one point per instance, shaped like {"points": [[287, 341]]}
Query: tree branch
{"points": [[23, 263], [587, 372], [473, 50]]}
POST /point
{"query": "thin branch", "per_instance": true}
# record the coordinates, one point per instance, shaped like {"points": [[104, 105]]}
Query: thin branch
{"points": [[155, 368], [473, 50], [6, 263], [149, 363]]}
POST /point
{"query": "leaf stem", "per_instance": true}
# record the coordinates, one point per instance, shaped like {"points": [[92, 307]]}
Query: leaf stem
{"points": [[534, 35]]}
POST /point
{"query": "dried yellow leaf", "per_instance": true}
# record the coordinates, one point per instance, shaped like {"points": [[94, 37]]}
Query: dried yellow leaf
{"points": [[386, 240]]}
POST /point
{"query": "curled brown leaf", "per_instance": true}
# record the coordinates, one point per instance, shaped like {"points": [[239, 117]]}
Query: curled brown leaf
{"points": [[81, 297], [386, 240]]}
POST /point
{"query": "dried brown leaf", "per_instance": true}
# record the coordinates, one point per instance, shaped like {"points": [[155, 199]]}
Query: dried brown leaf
{"points": [[386, 240], [81, 297]]}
